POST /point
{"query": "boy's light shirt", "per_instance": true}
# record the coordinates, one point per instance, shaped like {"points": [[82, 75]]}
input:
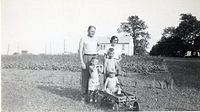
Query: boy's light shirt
{"points": [[111, 65]]}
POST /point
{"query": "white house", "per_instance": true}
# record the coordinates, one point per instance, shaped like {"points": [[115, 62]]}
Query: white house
{"points": [[125, 44]]}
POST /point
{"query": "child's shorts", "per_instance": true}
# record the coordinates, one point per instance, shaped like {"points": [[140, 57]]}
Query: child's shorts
{"points": [[114, 90]]}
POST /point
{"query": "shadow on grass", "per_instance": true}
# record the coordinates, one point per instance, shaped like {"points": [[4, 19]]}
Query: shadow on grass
{"points": [[175, 109], [185, 73], [71, 93], [68, 92]]}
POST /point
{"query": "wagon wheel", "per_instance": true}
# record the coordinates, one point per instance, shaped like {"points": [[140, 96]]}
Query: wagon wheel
{"points": [[135, 106], [115, 106]]}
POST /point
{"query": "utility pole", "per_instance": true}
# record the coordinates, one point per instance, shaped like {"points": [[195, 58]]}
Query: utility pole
{"points": [[18, 48], [51, 44], [64, 46], [8, 49], [45, 49], [50, 47]]}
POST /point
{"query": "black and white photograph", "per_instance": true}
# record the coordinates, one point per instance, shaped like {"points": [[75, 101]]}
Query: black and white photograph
{"points": [[100, 55]]}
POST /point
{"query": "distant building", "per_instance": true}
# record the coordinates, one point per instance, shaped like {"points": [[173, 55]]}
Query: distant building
{"points": [[66, 53], [125, 44], [15, 53], [189, 53], [24, 52]]}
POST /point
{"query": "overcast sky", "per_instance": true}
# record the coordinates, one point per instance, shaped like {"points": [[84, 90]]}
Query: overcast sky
{"points": [[33, 24]]}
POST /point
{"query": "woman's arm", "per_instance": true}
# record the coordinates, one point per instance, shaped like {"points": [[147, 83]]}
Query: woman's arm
{"points": [[120, 57], [81, 53], [116, 64], [98, 46]]}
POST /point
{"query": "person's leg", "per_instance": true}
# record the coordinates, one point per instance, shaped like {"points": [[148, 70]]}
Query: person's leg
{"points": [[90, 94], [105, 77], [95, 95], [87, 60], [84, 84], [118, 69], [85, 79]]}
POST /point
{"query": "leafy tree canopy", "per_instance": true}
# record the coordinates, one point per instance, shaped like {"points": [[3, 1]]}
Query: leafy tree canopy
{"points": [[136, 28], [177, 41]]}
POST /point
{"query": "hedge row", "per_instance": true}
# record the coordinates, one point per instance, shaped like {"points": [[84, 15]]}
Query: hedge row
{"points": [[72, 63]]}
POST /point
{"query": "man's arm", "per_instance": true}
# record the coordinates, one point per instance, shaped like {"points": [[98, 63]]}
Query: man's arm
{"points": [[91, 68], [106, 83], [98, 46], [105, 66], [81, 53]]}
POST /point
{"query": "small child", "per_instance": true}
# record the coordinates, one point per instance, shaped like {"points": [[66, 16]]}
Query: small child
{"points": [[112, 84], [110, 63], [93, 84]]}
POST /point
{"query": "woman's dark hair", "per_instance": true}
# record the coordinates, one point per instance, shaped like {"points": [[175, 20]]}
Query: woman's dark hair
{"points": [[113, 38], [91, 27]]}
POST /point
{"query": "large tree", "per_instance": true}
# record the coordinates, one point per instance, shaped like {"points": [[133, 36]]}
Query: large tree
{"points": [[136, 28], [189, 31], [177, 41]]}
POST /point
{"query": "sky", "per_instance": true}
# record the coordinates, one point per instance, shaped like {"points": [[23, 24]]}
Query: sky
{"points": [[41, 26]]}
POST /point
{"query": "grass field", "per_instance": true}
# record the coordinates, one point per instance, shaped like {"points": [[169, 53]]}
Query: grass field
{"points": [[185, 72], [58, 90]]}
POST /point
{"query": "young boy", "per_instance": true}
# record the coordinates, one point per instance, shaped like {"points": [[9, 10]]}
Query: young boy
{"points": [[93, 84], [112, 84], [110, 63]]}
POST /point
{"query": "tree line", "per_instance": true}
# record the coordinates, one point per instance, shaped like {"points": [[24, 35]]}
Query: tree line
{"points": [[176, 41]]}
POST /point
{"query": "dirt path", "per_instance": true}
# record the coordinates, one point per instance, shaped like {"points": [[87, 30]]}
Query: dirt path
{"points": [[58, 91]]}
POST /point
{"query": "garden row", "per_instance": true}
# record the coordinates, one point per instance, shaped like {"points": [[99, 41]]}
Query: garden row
{"points": [[72, 63]]}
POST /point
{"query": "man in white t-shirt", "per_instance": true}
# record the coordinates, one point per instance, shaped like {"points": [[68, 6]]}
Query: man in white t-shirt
{"points": [[88, 47]]}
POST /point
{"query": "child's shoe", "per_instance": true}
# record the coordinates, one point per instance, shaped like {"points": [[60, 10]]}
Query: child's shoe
{"points": [[91, 100], [95, 101]]}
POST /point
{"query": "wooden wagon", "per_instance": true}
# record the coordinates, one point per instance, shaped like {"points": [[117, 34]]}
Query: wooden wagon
{"points": [[123, 101]]}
